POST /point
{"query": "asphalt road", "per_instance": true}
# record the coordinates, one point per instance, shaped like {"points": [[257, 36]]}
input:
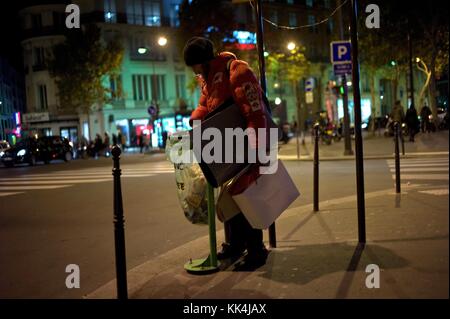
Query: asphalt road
{"points": [[60, 214]]}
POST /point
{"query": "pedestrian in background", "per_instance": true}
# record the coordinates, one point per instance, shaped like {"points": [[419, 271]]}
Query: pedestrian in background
{"points": [[425, 113], [397, 114], [412, 121]]}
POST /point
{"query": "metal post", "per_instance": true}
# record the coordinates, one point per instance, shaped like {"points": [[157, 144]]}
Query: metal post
{"points": [[411, 74], [119, 232], [260, 46], [397, 159], [346, 129], [316, 167], [347, 138], [402, 139], [262, 78], [212, 226], [358, 136], [298, 142]]}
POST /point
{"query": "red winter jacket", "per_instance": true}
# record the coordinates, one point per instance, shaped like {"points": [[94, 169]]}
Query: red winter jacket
{"points": [[241, 84]]}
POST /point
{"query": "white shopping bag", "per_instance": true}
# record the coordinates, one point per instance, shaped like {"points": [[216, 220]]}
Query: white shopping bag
{"points": [[191, 184], [263, 201]]}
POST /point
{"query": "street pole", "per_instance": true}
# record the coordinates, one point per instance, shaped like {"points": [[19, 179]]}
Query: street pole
{"points": [[262, 77], [358, 136], [411, 77], [347, 139], [119, 231], [397, 159], [316, 168]]}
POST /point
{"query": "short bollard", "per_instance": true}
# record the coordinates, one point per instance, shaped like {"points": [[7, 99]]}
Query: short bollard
{"points": [[397, 158], [119, 232], [316, 167], [402, 139]]}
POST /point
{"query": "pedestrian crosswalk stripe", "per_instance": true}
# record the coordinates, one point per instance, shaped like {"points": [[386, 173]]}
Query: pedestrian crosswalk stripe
{"points": [[441, 177], [420, 165], [87, 178], [95, 174], [71, 181], [419, 162], [9, 193], [437, 192], [31, 187], [422, 169]]}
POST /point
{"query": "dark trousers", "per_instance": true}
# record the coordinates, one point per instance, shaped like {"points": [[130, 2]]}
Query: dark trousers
{"points": [[242, 235]]}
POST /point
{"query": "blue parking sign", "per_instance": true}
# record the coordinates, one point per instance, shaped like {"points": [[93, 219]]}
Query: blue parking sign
{"points": [[340, 52]]}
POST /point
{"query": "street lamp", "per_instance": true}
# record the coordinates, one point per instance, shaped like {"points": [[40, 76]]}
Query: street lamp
{"points": [[291, 46], [162, 41]]}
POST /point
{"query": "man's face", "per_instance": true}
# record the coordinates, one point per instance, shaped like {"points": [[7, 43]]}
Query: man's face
{"points": [[198, 69]]}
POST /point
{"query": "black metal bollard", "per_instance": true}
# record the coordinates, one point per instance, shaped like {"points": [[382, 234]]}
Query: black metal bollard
{"points": [[402, 139], [119, 232], [316, 167], [397, 158]]}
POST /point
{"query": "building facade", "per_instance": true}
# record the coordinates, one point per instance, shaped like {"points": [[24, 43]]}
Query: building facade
{"points": [[155, 75], [12, 102]]}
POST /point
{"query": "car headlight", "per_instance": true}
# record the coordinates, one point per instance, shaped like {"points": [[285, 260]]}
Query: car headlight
{"points": [[21, 152], [430, 117], [2, 153], [403, 124]]}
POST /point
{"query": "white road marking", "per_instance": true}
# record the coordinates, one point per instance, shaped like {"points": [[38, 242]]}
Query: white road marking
{"points": [[10, 193], [423, 169], [436, 177], [7, 188], [437, 192], [72, 181]]}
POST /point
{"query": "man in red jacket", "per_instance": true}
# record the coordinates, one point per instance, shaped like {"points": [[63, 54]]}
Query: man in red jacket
{"points": [[223, 76]]}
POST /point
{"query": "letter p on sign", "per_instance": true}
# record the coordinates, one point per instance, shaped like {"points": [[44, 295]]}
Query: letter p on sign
{"points": [[342, 51]]}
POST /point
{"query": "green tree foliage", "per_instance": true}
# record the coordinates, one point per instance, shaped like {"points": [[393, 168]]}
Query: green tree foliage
{"points": [[80, 65]]}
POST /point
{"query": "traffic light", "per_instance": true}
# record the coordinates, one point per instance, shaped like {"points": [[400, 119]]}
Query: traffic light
{"points": [[341, 90]]}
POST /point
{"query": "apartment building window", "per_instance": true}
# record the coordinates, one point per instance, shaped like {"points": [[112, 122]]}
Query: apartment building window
{"points": [[144, 12], [109, 8], [330, 26], [309, 3], [174, 15], [39, 56], [312, 20], [148, 87], [115, 84], [274, 16], [159, 87], [36, 20], [180, 84], [292, 19], [42, 97]]}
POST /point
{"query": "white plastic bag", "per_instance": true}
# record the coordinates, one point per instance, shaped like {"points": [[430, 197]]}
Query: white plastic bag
{"points": [[191, 183]]}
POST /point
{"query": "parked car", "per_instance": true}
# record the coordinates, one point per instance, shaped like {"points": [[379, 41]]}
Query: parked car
{"points": [[31, 150], [4, 145]]}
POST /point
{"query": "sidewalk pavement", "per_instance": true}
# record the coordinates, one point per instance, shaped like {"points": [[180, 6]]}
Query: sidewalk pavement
{"points": [[374, 147], [318, 256]]}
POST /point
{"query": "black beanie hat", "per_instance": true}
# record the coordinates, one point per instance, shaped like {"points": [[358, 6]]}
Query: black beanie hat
{"points": [[198, 50]]}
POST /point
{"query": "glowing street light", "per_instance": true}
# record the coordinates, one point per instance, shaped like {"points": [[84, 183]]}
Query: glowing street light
{"points": [[417, 59], [276, 85], [142, 50], [266, 54], [291, 46], [277, 101], [162, 41]]}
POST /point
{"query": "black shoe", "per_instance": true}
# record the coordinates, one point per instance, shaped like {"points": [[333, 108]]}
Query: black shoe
{"points": [[229, 252], [253, 261]]}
